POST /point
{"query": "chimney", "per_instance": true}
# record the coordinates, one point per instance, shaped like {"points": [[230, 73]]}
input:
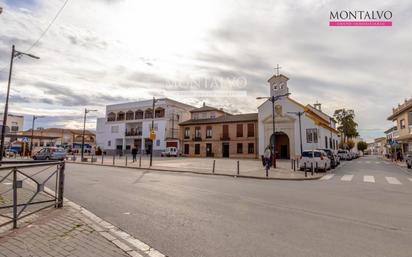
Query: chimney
{"points": [[204, 104], [317, 106]]}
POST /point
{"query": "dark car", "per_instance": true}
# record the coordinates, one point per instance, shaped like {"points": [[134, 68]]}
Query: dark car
{"points": [[334, 161]]}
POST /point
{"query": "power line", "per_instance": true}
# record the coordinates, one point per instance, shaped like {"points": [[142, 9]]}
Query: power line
{"points": [[45, 31]]}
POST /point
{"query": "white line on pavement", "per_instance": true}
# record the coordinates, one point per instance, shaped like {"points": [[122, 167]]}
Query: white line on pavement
{"points": [[393, 181], [387, 163], [410, 179], [377, 162], [358, 162], [369, 179], [328, 176], [347, 178], [367, 162]]}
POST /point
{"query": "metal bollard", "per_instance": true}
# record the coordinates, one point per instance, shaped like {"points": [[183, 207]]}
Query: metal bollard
{"points": [[291, 164], [91, 160], [60, 196], [311, 167], [140, 161], [306, 171], [126, 160], [238, 167], [113, 158], [102, 158], [214, 164], [316, 170]]}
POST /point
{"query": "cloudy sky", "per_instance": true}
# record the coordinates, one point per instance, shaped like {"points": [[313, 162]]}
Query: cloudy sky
{"points": [[102, 52]]}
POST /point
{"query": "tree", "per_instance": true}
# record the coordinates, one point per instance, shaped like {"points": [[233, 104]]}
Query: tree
{"points": [[346, 123], [362, 146], [351, 144]]}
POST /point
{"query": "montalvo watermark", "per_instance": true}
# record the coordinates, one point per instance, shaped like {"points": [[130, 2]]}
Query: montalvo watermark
{"points": [[360, 18], [208, 87]]}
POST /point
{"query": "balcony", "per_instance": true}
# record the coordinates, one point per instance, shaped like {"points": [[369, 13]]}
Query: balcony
{"points": [[197, 138], [224, 137], [133, 133]]}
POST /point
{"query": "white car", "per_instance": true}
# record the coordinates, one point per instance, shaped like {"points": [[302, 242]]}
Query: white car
{"points": [[344, 155], [170, 151], [318, 157]]}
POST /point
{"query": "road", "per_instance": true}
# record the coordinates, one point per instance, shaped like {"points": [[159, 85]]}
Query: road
{"points": [[363, 208]]}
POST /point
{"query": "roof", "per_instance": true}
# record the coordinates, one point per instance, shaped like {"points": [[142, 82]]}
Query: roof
{"points": [[59, 130], [390, 130], [228, 118], [407, 105], [206, 108]]}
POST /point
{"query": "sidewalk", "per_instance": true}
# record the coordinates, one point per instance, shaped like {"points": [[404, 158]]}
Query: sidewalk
{"points": [[223, 167], [399, 163]]}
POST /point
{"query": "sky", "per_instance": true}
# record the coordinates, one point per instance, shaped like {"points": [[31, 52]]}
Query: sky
{"points": [[101, 52]]}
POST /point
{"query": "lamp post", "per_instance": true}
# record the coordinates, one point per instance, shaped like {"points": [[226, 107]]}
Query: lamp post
{"points": [[14, 54], [32, 133], [273, 99], [299, 114], [153, 118], [84, 129]]}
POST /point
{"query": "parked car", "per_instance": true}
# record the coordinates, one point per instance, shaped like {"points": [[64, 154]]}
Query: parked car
{"points": [[408, 159], [11, 153], [344, 155], [170, 151], [50, 153], [312, 157], [334, 159]]}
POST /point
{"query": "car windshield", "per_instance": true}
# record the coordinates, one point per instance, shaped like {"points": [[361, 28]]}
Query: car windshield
{"points": [[309, 154]]}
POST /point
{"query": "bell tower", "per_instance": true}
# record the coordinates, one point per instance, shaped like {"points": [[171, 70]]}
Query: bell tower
{"points": [[278, 85]]}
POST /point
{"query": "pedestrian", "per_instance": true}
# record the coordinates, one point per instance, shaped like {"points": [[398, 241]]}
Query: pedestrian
{"points": [[267, 157], [134, 153]]}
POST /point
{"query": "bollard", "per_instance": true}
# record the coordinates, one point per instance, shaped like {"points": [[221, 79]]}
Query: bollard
{"points": [[306, 171], [126, 160], [140, 161], [102, 158], [238, 167], [297, 164], [113, 158], [91, 160], [311, 167], [214, 164], [316, 170], [291, 164]]}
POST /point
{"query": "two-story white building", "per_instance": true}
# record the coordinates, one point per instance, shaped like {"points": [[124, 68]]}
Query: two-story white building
{"points": [[128, 125], [297, 127]]}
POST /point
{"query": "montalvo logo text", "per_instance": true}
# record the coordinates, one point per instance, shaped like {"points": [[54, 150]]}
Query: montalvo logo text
{"points": [[360, 18]]}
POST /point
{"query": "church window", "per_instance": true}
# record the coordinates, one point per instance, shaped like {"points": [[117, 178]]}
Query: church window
{"points": [[311, 135]]}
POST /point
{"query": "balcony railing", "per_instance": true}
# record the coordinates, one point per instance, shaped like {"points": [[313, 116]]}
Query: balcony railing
{"points": [[133, 133], [224, 137], [198, 138]]}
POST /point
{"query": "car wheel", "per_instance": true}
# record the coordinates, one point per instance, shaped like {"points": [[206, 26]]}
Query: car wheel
{"points": [[409, 166], [34, 158], [47, 158]]}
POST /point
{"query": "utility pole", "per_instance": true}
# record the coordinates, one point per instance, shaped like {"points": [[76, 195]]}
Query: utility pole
{"points": [[84, 130], [32, 133], [299, 114], [14, 54], [153, 117]]}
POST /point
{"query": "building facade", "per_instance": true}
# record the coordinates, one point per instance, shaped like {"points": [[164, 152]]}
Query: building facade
{"points": [[311, 129], [128, 125], [402, 118], [14, 125], [212, 132]]}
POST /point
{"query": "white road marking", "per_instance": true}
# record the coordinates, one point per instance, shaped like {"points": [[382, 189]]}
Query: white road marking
{"points": [[377, 162], [347, 178], [126, 213], [387, 163], [358, 162], [6, 183], [369, 179], [393, 181], [410, 179], [327, 177], [367, 162]]}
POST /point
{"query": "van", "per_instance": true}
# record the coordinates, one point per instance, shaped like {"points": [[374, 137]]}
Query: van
{"points": [[170, 151]]}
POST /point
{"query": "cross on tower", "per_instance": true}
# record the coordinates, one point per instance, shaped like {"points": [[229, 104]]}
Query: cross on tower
{"points": [[277, 69]]}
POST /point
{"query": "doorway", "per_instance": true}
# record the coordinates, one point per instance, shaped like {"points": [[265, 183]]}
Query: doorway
{"points": [[225, 150]]}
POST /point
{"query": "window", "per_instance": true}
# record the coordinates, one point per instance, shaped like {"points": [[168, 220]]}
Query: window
{"points": [[159, 113], [402, 124], [109, 143], [212, 115], [138, 115], [115, 129], [239, 148], [311, 135], [148, 114], [186, 148], [250, 130], [158, 142], [120, 116], [326, 142], [129, 115], [195, 116], [197, 148], [330, 143], [250, 148], [187, 133], [410, 118], [111, 116], [209, 132], [239, 130], [197, 132]]}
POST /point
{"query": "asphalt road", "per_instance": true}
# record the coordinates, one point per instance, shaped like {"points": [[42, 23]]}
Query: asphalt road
{"points": [[186, 215]]}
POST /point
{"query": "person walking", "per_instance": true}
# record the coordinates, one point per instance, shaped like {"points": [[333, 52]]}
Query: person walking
{"points": [[134, 153], [267, 157]]}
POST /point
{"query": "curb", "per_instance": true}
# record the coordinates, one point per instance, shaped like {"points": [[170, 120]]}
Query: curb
{"points": [[199, 173]]}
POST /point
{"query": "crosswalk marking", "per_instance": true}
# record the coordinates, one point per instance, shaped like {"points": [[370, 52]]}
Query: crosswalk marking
{"points": [[387, 163], [359, 161], [410, 179], [367, 162], [377, 162], [392, 180], [328, 176], [347, 178], [369, 179]]}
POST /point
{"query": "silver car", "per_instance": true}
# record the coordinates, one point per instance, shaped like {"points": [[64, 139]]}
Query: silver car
{"points": [[408, 159], [50, 153]]}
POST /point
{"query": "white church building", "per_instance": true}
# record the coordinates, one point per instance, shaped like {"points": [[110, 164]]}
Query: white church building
{"points": [[315, 130]]}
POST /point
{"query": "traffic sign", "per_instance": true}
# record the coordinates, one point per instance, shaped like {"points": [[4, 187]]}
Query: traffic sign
{"points": [[152, 135], [25, 139]]}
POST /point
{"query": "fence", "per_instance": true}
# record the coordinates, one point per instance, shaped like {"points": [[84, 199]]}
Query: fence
{"points": [[22, 188]]}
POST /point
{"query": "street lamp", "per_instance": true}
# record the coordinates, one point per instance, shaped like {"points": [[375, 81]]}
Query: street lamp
{"points": [[86, 111], [299, 114], [14, 54], [153, 117], [273, 99], [32, 132]]}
